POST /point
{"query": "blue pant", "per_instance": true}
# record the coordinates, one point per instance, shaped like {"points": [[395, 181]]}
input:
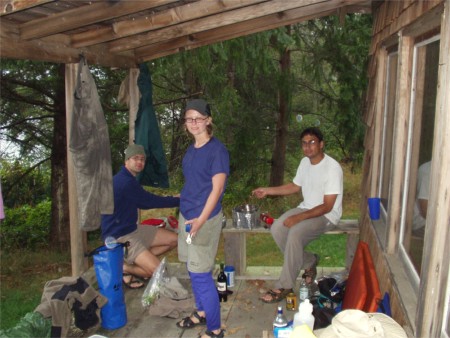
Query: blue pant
{"points": [[206, 298]]}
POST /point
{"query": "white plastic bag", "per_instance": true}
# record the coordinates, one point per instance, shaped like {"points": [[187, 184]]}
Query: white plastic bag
{"points": [[151, 292]]}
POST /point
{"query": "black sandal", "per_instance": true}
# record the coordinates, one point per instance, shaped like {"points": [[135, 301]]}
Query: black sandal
{"points": [[212, 334], [310, 274], [188, 323], [133, 283]]}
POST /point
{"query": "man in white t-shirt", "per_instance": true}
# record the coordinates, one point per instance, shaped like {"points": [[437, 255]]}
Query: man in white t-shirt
{"points": [[422, 195], [320, 179]]}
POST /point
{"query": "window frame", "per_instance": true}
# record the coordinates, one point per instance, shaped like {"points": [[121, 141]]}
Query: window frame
{"points": [[403, 254]]}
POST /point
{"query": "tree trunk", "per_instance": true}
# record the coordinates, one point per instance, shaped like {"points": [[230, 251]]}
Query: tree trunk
{"points": [[60, 230], [279, 151]]}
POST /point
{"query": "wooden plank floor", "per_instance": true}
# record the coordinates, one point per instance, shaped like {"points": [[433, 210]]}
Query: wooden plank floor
{"points": [[243, 315]]}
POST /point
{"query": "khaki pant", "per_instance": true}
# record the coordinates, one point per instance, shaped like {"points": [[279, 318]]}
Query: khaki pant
{"points": [[200, 255], [292, 242]]}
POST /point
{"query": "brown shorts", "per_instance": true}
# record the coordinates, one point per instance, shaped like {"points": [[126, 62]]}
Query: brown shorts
{"points": [[141, 239]]}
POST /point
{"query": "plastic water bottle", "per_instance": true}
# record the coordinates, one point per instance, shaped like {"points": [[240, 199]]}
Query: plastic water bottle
{"points": [[304, 315], [110, 242], [303, 292], [280, 320]]}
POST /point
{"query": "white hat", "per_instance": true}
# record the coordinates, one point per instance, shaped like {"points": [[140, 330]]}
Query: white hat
{"points": [[359, 324]]}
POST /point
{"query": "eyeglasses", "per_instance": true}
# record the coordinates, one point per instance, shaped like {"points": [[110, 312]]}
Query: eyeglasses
{"points": [[196, 120], [308, 143], [138, 158]]}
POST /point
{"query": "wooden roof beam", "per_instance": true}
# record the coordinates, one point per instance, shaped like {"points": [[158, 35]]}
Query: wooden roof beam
{"points": [[57, 49], [162, 19], [201, 39], [84, 15], [225, 19], [11, 6], [211, 22]]}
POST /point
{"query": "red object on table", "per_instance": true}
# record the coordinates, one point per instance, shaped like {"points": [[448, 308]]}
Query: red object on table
{"points": [[173, 222], [265, 217], [153, 221]]}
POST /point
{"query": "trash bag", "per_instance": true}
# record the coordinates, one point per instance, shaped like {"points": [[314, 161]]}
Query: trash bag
{"points": [[151, 293], [33, 324], [108, 264]]}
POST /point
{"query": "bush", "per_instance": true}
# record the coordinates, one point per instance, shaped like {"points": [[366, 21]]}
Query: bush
{"points": [[26, 226]]}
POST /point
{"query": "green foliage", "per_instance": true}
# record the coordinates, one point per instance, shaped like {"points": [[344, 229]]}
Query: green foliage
{"points": [[26, 226], [23, 183]]}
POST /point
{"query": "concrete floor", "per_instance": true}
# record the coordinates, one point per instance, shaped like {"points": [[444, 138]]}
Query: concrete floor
{"points": [[243, 315]]}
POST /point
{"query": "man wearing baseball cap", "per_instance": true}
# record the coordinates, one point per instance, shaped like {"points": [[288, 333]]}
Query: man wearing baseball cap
{"points": [[146, 242]]}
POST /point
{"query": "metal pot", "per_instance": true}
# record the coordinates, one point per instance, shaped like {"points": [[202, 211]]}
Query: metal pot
{"points": [[246, 216]]}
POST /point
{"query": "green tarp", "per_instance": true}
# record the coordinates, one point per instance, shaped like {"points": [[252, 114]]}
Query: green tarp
{"points": [[148, 135]]}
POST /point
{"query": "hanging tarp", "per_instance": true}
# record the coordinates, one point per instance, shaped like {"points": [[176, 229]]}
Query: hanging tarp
{"points": [[147, 134], [91, 153]]}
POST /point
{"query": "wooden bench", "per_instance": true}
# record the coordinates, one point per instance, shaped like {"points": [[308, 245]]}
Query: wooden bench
{"points": [[235, 240]]}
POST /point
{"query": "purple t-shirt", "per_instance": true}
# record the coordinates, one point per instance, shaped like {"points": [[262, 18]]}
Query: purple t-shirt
{"points": [[199, 167]]}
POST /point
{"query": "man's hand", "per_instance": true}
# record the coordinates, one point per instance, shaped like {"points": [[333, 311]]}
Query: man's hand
{"points": [[293, 220], [259, 192]]}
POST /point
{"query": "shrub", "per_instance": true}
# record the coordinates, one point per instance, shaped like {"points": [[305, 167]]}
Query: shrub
{"points": [[26, 226]]}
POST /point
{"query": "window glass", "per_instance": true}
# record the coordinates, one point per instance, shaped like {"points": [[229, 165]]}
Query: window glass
{"points": [[388, 128], [421, 132]]}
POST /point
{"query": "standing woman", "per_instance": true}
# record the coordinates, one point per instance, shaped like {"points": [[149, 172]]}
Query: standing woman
{"points": [[205, 169]]}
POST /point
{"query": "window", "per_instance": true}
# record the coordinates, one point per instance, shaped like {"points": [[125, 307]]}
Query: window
{"points": [[388, 128], [420, 146]]}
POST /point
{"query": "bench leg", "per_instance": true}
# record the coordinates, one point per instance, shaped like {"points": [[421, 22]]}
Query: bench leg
{"points": [[235, 251]]}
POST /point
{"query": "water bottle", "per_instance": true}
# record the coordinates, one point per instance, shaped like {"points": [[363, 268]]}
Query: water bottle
{"points": [[304, 315], [110, 242], [280, 320], [303, 292]]}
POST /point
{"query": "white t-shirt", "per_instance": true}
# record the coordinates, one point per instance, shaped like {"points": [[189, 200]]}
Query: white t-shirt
{"points": [[423, 193], [316, 181]]}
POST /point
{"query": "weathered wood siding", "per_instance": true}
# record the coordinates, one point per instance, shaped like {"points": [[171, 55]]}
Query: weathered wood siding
{"points": [[390, 17]]}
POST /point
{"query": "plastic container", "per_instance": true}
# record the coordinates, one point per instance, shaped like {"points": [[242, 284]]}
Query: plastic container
{"points": [[229, 272], [304, 315], [246, 216]]}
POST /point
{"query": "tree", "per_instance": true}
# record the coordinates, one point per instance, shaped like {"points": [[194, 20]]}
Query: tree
{"points": [[33, 117]]}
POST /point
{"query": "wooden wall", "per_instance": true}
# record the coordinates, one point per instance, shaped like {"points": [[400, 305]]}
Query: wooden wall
{"points": [[389, 18]]}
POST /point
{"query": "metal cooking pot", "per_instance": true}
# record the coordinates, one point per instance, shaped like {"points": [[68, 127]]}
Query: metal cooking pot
{"points": [[246, 216]]}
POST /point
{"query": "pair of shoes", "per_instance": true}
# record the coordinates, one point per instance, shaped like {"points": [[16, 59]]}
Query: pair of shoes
{"points": [[188, 323], [275, 296], [212, 334], [311, 273], [133, 283]]}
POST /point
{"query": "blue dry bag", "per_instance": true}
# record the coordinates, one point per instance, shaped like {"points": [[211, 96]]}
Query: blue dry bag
{"points": [[108, 265]]}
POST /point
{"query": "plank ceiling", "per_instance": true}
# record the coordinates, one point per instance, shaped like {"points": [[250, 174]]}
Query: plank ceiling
{"points": [[124, 33]]}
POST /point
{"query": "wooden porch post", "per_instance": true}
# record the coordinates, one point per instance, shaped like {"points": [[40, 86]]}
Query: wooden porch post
{"points": [[435, 262], [78, 238]]}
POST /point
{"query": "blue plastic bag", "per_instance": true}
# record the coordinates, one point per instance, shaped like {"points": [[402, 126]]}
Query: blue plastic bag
{"points": [[108, 264]]}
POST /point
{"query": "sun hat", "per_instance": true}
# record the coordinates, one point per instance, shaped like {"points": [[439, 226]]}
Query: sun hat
{"points": [[359, 324], [134, 149], [199, 105]]}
